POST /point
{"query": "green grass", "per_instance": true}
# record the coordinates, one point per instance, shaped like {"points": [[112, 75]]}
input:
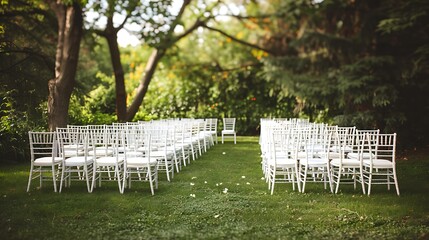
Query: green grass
{"points": [[246, 211]]}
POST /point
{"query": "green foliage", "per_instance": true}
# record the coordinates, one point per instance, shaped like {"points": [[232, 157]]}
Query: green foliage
{"points": [[26, 65], [363, 62], [14, 127], [93, 99]]}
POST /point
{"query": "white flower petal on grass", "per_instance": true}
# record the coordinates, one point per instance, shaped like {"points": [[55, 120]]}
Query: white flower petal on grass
{"points": [[223, 153], [205, 182], [225, 190], [262, 178], [216, 216], [193, 177], [238, 184], [248, 183], [192, 184], [217, 184], [192, 195], [220, 183], [243, 176]]}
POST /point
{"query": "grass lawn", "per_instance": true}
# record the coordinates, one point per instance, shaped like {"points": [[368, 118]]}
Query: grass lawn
{"points": [[231, 202]]}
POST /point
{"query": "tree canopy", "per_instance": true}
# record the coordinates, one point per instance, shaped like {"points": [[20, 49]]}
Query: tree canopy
{"points": [[347, 62]]}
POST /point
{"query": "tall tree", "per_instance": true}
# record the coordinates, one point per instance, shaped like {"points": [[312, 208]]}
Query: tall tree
{"points": [[110, 33], [160, 40], [70, 23], [162, 44]]}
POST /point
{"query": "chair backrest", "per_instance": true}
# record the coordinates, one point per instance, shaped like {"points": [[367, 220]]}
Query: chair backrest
{"points": [[77, 127], [368, 144], [213, 125], [229, 124], [101, 140], [72, 141], [43, 144], [347, 134], [337, 146], [382, 146], [362, 137], [277, 143]]}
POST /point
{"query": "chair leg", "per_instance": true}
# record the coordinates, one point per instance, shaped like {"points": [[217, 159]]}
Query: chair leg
{"points": [[88, 185], [298, 177], [166, 170], [124, 179], [62, 178], [292, 175], [30, 177], [156, 177], [94, 172], [184, 156], [273, 181], [396, 181], [54, 178], [176, 162], [369, 182], [305, 179], [338, 180], [150, 180], [40, 177], [118, 178]]}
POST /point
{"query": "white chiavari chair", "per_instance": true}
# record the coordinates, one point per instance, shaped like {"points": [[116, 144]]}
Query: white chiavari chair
{"points": [[106, 164], [229, 128], [380, 167], [313, 168], [344, 170], [76, 159], [282, 164], [45, 158], [142, 168]]}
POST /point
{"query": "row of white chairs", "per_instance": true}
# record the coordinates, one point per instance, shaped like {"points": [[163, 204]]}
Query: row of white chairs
{"points": [[296, 151], [121, 152]]}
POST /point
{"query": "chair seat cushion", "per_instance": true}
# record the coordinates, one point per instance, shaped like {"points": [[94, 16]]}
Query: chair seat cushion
{"points": [[78, 161], [346, 149], [228, 132], [141, 162], [47, 161], [378, 163], [145, 149], [355, 155], [331, 155], [134, 154], [72, 153], [302, 155], [315, 148], [314, 162], [282, 162], [161, 153], [108, 161], [346, 162], [101, 152]]}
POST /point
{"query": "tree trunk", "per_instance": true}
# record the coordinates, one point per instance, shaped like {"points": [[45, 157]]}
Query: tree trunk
{"points": [[70, 22], [152, 63], [115, 56]]}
